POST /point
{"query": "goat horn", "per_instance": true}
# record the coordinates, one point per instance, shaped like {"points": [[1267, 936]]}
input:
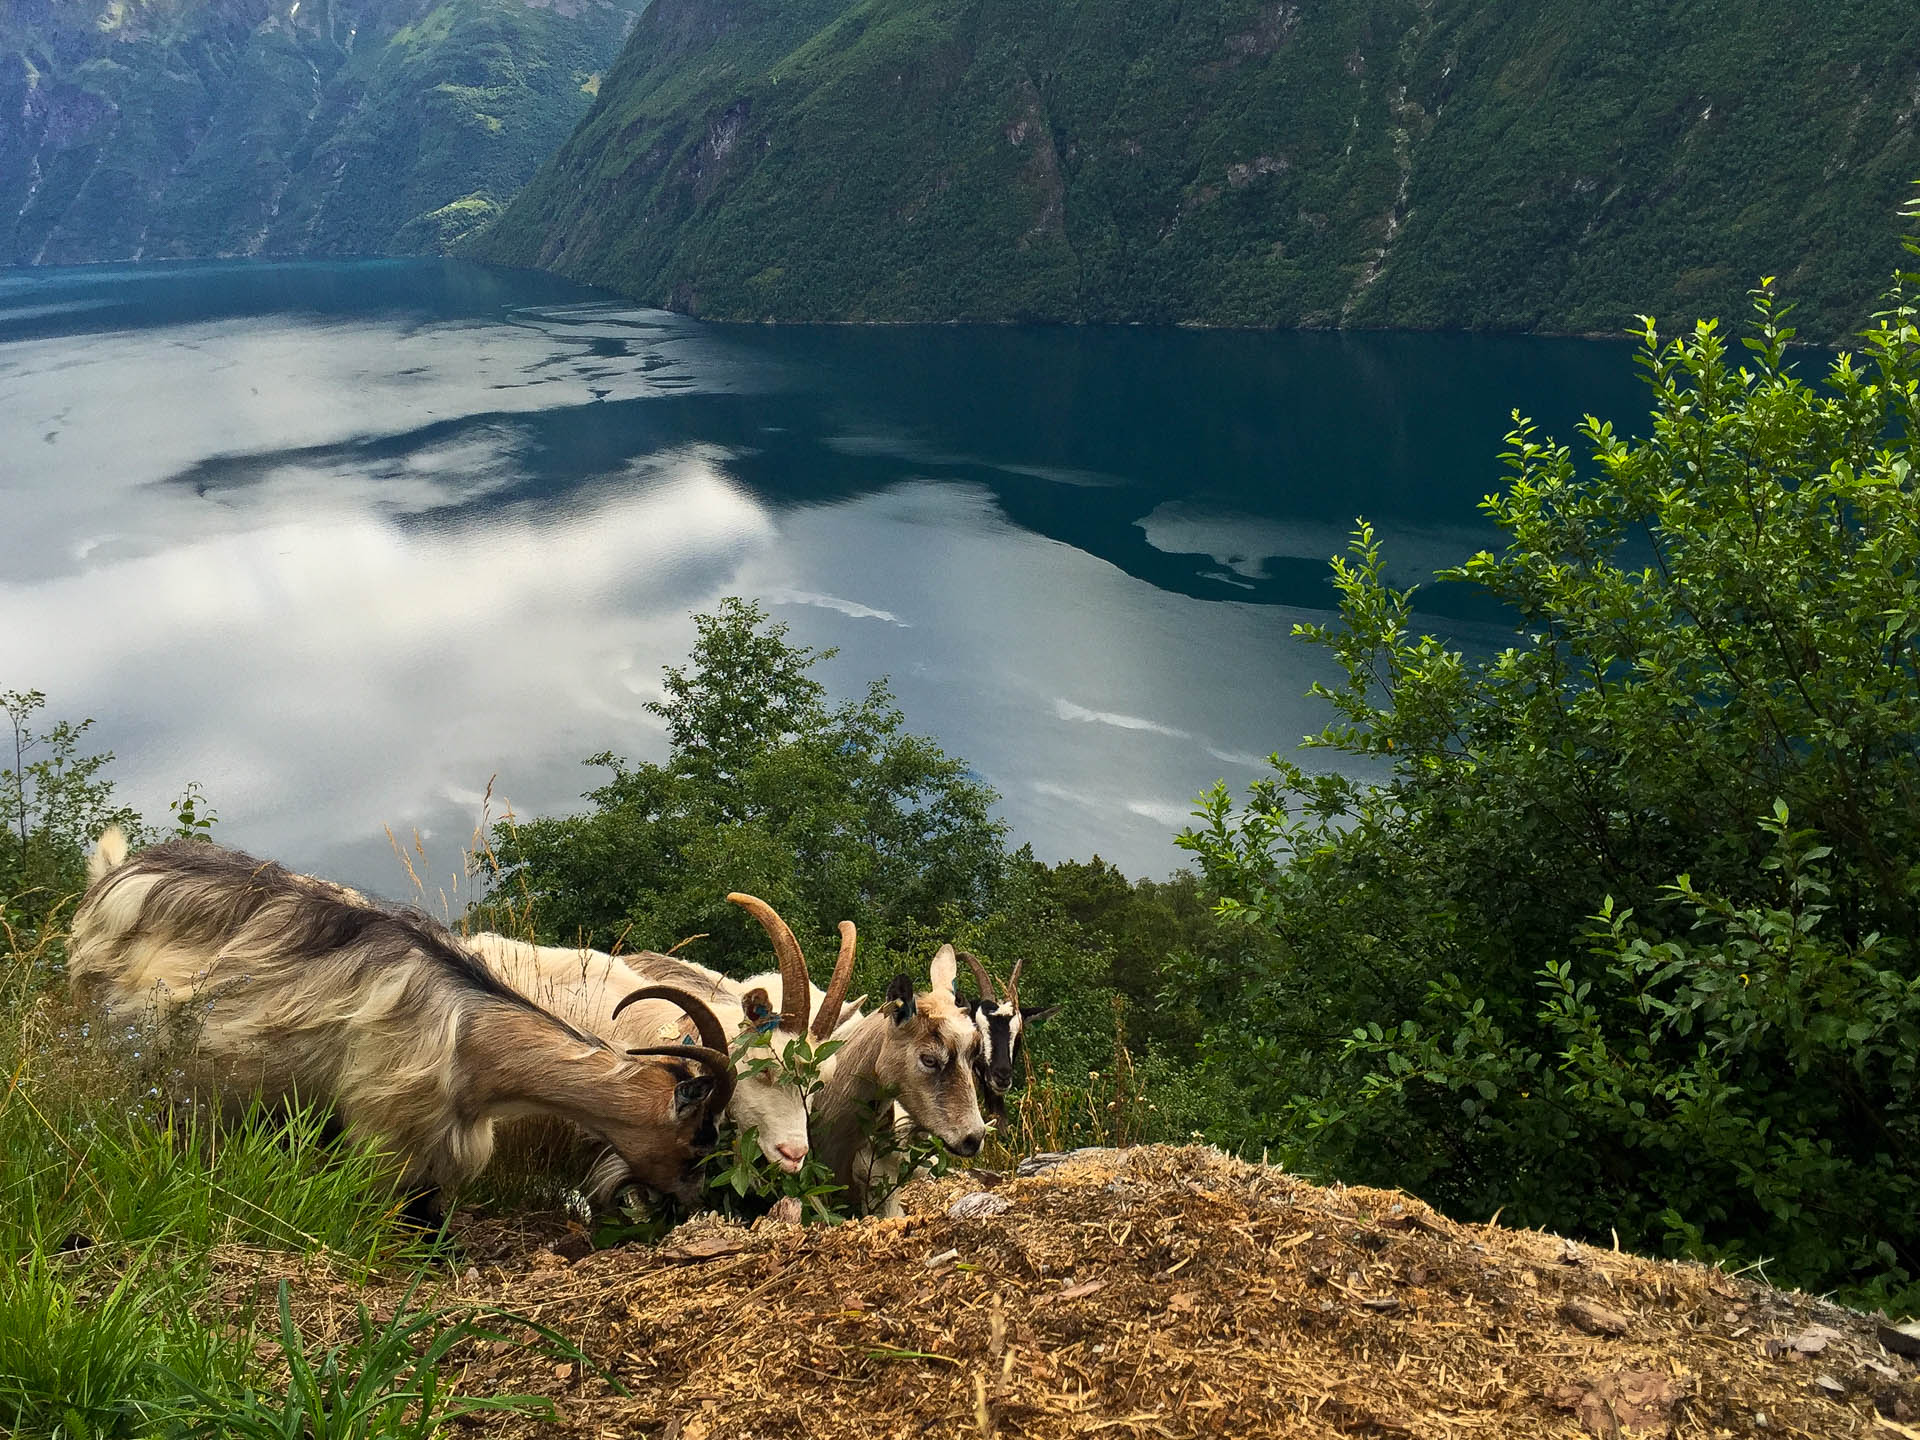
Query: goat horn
{"points": [[829, 1016], [980, 976], [796, 990], [1013, 983], [713, 1034], [711, 1052]]}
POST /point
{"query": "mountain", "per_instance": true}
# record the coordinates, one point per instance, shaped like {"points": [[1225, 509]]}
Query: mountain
{"points": [[151, 128], [1531, 164]]}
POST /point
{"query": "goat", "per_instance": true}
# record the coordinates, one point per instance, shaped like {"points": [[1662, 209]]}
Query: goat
{"points": [[1002, 1022], [913, 1056], [584, 987], [302, 990]]}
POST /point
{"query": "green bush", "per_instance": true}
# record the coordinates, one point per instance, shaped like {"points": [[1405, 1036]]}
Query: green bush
{"points": [[1626, 942]]}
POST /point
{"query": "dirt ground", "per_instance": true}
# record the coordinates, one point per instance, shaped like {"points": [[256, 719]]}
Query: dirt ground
{"points": [[1153, 1292]]}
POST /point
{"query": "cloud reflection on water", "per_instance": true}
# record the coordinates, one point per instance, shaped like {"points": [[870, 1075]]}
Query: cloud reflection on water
{"points": [[343, 567]]}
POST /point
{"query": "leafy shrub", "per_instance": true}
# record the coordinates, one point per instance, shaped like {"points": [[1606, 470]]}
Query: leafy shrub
{"points": [[1572, 958]]}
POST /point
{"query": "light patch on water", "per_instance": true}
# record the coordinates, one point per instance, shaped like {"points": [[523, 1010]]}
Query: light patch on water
{"points": [[323, 674], [1174, 817], [1065, 475], [1239, 757], [852, 609], [1067, 710], [1242, 544]]}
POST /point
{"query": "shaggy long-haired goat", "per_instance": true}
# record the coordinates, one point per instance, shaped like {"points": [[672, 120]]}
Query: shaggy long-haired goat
{"points": [[1002, 1022], [593, 990], [292, 989], [910, 1065]]}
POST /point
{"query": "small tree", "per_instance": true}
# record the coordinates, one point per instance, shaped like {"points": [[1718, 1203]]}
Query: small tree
{"points": [[1572, 959], [829, 812], [54, 800]]}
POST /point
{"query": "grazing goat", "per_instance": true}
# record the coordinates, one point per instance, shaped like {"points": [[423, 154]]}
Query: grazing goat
{"points": [[296, 989], [911, 1063], [1002, 1022], [585, 988]]}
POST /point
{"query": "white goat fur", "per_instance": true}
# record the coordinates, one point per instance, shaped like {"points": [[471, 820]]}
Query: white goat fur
{"points": [[293, 988], [582, 986]]}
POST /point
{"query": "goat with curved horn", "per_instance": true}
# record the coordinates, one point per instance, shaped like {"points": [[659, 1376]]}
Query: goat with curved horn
{"points": [[305, 991], [796, 988], [710, 1053], [593, 990]]}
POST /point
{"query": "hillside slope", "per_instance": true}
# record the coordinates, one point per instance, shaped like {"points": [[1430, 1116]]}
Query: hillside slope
{"points": [[1147, 1292], [1536, 164], [154, 128]]}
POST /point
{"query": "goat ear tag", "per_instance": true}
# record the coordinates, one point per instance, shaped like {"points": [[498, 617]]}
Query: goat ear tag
{"points": [[758, 1007], [945, 963]]}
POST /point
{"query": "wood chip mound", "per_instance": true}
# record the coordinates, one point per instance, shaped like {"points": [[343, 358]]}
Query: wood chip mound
{"points": [[1172, 1292]]}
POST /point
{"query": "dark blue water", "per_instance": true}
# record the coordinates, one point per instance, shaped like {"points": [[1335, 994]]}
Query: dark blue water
{"points": [[345, 541]]}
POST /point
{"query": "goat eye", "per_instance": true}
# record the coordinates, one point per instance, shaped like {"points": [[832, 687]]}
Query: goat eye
{"points": [[929, 1062]]}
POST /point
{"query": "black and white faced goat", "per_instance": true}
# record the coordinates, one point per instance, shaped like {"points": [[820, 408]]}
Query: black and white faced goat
{"points": [[293, 989], [910, 1061], [1002, 1022]]}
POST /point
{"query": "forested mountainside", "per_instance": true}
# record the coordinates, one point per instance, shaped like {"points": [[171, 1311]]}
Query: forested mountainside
{"points": [[1536, 164], [154, 128]]}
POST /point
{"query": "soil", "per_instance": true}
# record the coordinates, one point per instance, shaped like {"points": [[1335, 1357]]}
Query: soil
{"points": [[1155, 1291]]}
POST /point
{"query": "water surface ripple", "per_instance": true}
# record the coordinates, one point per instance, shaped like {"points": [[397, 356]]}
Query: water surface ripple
{"points": [[345, 540]]}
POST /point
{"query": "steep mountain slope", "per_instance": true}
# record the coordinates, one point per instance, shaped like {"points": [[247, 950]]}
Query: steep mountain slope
{"points": [[149, 128], [1531, 164]]}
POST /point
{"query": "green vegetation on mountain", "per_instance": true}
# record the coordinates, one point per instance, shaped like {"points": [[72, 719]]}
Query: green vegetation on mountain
{"points": [[1537, 164], [161, 128]]}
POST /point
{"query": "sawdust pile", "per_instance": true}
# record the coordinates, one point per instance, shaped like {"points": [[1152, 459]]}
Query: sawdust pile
{"points": [[1166, 1292]]}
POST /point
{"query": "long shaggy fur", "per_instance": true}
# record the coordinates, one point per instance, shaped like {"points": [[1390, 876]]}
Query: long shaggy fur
{"points": [[290, 987]]}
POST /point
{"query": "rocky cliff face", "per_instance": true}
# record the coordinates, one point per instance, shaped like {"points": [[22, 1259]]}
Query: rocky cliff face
{"points": [[151, 128], [1534, 164]]}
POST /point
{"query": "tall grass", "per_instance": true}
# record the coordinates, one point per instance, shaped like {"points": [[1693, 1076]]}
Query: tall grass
{"points": [[1109, 1106], [116, 1200]]}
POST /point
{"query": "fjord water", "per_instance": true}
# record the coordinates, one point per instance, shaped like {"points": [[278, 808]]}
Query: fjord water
{"points": [[343, 541]]}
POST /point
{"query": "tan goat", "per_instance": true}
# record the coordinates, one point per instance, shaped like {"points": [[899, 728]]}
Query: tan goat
{"points": [[293, 989]]}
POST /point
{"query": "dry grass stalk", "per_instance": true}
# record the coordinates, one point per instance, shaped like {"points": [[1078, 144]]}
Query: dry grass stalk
{"points": [[1231, 1300]]}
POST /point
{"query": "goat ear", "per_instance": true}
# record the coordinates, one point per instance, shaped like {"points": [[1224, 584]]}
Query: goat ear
{"points": [[692, 1095], [945, 963], [1035, 1014], [758, 1005], [900, 996]]}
